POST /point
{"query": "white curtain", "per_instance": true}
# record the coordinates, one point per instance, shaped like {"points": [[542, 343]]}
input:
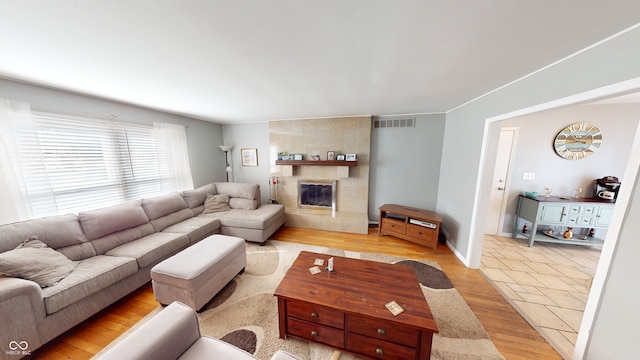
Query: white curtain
{"points": [[172, 148], [13, 114]]}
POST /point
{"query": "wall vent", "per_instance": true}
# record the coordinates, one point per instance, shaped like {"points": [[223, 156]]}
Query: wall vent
{"points": [[394, 123]]}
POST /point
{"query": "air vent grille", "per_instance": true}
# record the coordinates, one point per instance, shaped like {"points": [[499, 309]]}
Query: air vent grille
{"points": [[394, 123]]}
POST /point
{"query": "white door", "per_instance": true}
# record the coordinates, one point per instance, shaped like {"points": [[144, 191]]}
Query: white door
{"points": [[502, 172]]}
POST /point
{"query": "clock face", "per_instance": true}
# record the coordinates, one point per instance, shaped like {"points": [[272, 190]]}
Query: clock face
{"points": [[577, 141]]}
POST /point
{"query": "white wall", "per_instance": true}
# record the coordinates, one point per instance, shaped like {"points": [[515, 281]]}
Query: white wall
{"points": [[534, 152], [405, 164], [250, 135], [202, 137], [464, 201]]}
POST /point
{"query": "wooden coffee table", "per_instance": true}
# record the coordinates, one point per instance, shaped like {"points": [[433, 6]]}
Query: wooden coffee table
{"points": [[345, 309]]}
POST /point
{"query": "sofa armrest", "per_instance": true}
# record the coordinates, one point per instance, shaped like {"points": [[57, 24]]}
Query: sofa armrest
{"points": [[21, 311], [165, 336]]}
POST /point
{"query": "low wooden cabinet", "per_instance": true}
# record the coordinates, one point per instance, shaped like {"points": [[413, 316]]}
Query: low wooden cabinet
{"points": [[416, 225]]}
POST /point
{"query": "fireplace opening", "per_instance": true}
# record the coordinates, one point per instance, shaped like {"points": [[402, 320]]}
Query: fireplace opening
{"points": [[318, 194]]}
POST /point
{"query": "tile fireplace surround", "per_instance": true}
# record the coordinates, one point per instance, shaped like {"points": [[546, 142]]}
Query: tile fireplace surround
{"points": [[349, 135]]}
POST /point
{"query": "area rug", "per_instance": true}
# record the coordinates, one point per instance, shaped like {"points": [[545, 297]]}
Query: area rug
{"points": [[245, 312]]}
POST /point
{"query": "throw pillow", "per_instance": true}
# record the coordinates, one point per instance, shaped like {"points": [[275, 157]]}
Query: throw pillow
{"points": [[216, 203], [34, 260]]}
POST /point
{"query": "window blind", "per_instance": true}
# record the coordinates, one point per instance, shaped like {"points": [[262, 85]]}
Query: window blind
{"points": [[71, 164]]}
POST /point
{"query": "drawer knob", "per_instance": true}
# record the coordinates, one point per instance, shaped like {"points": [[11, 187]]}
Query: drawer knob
{"points": [[314, 314], [419, 232], [379, 351], [314, 333], [382, 331]]}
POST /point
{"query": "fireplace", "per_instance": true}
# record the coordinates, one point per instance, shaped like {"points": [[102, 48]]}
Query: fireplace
{"points": [[317, 194]]}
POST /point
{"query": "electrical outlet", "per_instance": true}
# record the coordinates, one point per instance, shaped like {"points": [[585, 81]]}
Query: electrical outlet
{"points": [[528, 176]]}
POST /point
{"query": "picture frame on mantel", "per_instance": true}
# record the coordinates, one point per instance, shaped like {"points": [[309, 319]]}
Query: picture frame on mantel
{"points": [[331, 155], [351, 157], [340, 157], [249, 156]]}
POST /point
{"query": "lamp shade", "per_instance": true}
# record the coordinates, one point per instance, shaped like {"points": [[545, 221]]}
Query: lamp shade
{"points": [[225, 147]]}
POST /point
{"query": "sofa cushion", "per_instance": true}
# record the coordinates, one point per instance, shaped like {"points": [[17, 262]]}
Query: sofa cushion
{"points": [[196, 228], [159, 206], [238, 190], [222, 350], [195, 198], [89, 276], [34, 260], [216, 203], [55, 231], [101, 222], [259, 218], [110, 241], [151, 249]]}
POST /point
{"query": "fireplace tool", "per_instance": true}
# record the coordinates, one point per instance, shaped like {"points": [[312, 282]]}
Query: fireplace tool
{"points": [[273, 189]]}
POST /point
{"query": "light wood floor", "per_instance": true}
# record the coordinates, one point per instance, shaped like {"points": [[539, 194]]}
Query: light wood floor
{"points": [[511, 334]]}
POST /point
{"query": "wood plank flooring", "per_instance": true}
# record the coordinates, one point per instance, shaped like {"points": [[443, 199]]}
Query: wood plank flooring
{"points": [[511, 334]]}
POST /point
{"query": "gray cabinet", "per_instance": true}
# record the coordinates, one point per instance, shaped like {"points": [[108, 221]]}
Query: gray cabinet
{"points": [[557, 214]]}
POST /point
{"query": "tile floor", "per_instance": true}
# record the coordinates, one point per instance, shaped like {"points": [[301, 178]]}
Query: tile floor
{"points": [[548, 284]]}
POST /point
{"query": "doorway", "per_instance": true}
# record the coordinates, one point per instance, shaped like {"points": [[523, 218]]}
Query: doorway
{"points": [[500, 183]]}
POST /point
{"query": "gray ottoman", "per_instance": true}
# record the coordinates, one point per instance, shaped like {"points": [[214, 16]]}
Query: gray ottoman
{"points": [[196, 274]]}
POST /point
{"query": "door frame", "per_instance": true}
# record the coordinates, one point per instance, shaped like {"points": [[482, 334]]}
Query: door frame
{"points": [[507, 182]]}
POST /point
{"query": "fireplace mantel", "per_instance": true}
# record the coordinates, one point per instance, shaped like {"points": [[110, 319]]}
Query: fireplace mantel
{"points": [[342, 166]]}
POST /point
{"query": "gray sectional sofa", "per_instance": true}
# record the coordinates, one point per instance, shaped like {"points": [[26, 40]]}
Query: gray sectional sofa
{"points": [[111, 252]]}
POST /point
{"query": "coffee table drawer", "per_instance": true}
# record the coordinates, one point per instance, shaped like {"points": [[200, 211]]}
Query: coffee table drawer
{"points": [[382, 330], [315, 332], [378, 349], [315, 313]]}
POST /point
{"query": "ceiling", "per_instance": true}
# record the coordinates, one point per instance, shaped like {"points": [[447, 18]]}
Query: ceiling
{"points": [[246, 61]]}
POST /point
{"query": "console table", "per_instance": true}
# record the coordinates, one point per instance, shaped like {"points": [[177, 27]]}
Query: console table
{"points": [[416, 225], [541, 214]]}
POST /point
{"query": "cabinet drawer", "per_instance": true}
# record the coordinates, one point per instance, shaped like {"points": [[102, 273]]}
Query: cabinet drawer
{"points": [[382, 330], [315, 313], [315, 332], [378, 349], [425, 235], [392, 226]]}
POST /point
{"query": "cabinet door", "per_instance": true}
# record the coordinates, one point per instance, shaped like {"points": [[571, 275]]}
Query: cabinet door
{"points": [[603, 217], [553, 213]]}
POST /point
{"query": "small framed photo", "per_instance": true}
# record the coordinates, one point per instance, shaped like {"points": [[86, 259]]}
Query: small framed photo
{"points": [[331, 155], [297, 156], [249, 157], [340, 157], [315, 157], [351, 157]]}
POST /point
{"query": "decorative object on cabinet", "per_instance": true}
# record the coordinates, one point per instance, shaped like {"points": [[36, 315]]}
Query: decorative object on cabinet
{"points": [[546, 213], [577, 141], [340, 157], [350, 157], [249, 156], [415, 225]]}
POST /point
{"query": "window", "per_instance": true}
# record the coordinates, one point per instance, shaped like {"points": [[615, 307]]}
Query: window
{"points": [[70, 164]]}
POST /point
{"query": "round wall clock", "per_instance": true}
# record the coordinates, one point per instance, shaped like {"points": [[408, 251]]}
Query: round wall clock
{"points": [[577, 141]]}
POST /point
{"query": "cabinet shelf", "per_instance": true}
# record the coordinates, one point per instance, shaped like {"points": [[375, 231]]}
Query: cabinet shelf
{"points": [[541, 237]]}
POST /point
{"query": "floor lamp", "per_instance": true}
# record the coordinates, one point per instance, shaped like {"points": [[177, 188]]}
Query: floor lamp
{"points": [[226, 150]]}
